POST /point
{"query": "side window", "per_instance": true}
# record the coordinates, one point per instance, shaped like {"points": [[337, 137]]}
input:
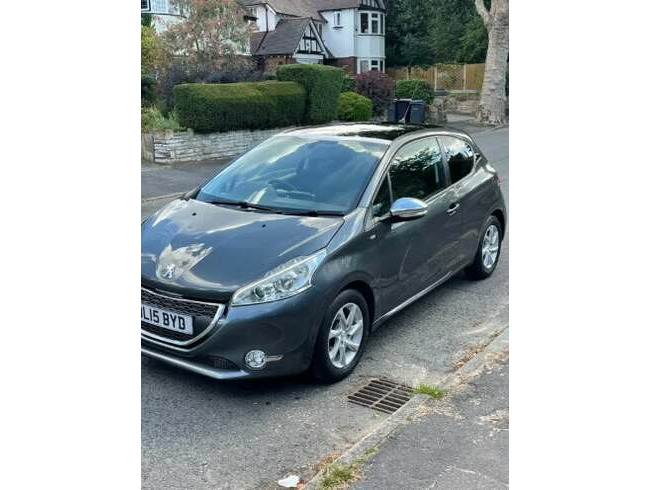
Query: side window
{"points": [[381, 204], [417, 170], [460, 156]]}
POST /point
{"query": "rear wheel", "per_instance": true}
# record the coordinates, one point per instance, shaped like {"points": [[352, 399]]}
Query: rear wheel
{"points": [[341, 338], [489, 250]]}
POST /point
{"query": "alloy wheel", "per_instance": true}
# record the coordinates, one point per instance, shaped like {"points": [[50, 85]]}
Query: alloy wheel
{"points": [[346, 333], [490, 247]]}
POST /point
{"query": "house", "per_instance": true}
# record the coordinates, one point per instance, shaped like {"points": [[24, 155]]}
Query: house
{"points": [[345, 33]]}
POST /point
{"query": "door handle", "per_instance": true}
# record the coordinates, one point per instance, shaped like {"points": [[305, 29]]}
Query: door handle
{"points": [[453, 208]]}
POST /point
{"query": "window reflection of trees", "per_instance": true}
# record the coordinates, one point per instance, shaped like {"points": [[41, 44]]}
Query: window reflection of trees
{"points": [[417, 175]]}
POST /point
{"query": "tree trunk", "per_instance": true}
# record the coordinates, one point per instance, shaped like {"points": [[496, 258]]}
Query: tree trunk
{"points": [[492, 106]]}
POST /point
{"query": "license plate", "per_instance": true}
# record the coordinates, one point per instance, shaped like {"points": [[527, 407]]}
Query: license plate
{"points": [[166, 319]]}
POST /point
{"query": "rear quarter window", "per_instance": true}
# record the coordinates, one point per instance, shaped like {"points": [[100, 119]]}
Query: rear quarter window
{"points": [[460, 157]]}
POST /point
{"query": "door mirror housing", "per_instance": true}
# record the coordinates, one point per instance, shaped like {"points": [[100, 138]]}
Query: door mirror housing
{"points": [[407, 208]]}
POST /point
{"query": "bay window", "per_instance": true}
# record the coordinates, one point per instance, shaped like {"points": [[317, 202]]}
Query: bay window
{"points": [[371, 23], [370, 64]]}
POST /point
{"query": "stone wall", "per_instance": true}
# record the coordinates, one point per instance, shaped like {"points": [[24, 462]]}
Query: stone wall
{"points": [[462, 104], [187, 146]]}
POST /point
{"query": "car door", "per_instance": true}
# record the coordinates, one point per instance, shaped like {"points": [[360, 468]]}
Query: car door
{"points": [[472, 195], [418, 170], [414, 254]]}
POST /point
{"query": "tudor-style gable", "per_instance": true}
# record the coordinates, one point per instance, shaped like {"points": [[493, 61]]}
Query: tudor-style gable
{"points": [[347, 33]]}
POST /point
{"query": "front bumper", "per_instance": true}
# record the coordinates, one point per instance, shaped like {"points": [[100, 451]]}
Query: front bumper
{"points": [[286, 329]]}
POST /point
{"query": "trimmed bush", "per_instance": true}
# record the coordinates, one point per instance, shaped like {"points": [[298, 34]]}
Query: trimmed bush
{"points": [[354, 107], [208, 107], [151, 119], [322, 84], [349, 84], [414, 89], [378, 87]]}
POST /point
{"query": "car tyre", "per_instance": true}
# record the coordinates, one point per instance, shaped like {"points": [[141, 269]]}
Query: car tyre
{"points": [[488, 251], [328, 368]]}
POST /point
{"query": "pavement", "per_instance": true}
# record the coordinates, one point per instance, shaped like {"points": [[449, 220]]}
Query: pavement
{"points": [[460, 442], [199, 433]]}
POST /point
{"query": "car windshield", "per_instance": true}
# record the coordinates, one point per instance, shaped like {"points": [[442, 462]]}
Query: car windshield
{"points": [[300, 174]]}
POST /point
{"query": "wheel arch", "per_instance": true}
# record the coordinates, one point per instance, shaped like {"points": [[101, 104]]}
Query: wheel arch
{"points": [[500, 215]]}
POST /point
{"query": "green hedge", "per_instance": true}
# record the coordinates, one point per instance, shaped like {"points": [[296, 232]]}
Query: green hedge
{"points": [[323, 86], [414, 89], [354, 107], [349, 85], [207, 107]]}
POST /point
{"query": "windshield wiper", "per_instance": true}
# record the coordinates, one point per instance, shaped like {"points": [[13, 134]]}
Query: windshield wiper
{"points": [[316, 212], [244, 205]]}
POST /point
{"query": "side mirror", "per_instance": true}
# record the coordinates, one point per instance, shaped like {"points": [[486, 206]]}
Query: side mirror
{"points": [[406, 208]]}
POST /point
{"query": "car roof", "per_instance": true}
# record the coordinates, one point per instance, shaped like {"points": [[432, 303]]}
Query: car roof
{"points": [[376, 131]]}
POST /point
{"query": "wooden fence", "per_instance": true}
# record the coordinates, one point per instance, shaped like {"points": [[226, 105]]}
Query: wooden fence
{"points": [[464, 77]]}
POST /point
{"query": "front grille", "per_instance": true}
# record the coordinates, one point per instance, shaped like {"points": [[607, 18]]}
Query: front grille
{"points": [[178, 305], [203, 315]]}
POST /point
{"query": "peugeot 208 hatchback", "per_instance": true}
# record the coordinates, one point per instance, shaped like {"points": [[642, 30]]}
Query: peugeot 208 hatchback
{"points": [[290, 257]]}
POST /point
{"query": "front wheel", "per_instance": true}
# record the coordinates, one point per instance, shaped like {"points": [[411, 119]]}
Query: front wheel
{"points": [[341, 338], [489, 250]]}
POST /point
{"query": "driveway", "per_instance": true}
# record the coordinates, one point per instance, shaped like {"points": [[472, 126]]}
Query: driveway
{"points": [[199, 433]]}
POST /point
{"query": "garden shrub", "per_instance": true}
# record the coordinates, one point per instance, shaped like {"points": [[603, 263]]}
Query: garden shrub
{"points": [[378, 87], [322, 85], [349, 84], [354, 107], [414, 89], [151, 119], [147, 93], [247, 105]]}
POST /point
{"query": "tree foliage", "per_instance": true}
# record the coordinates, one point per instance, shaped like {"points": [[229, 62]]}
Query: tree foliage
{"points": [[434, 31], [147, 49], [210, 30]]}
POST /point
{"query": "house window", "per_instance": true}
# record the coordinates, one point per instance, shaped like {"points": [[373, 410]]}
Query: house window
{"points": [[374, 24], [364, 23], [337, 19], [371, 23], [368, 64], [144, 6]]}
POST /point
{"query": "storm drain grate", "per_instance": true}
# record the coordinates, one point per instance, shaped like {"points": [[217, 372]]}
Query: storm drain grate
{"points": [[383, 395]]}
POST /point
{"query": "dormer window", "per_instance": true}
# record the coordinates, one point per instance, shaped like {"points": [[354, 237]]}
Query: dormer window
{"points": [[337, 19]]}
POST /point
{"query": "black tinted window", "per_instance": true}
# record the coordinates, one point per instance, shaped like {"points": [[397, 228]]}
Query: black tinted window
{"points": [[460, 156], [417, 170], [381, 204]]}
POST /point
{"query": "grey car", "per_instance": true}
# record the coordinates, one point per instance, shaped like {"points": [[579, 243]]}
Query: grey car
{"points": [[288, 259]]}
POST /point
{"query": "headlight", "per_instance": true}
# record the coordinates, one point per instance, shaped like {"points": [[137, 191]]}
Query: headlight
{"points": [[282, 282]]}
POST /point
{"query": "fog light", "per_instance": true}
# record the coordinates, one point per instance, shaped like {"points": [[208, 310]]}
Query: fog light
{"points": [[255, 359]]}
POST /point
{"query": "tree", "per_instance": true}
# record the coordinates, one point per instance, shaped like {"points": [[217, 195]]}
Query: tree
{"points": [[210, 30], [492, 106], [433, 31], [147, 49]]}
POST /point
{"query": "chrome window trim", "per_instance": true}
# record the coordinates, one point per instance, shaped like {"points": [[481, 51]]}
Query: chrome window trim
{"points": [[167, 342]]}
